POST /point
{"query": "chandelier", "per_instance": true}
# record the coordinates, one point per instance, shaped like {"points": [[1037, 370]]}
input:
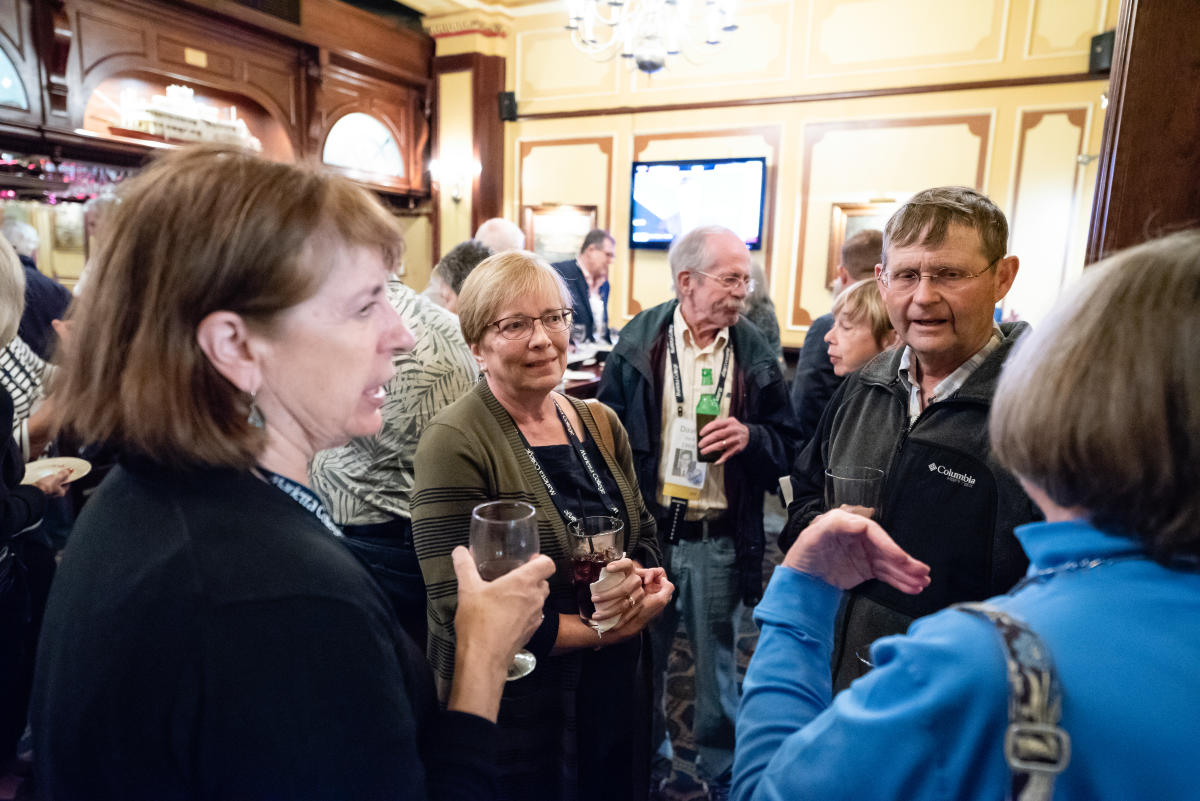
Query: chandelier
{"points": [[648, 31]]}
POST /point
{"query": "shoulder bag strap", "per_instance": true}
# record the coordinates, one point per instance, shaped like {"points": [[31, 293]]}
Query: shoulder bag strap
{"points": [[599, 413], [1036, 747]]}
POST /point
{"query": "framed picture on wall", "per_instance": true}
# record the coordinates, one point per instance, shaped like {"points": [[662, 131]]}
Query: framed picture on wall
{"points": [[846, 220], [555, 231]]}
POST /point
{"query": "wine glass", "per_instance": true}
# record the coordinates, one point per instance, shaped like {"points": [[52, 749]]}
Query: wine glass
{"points": [[504, 536], [596, 541], [857, 487]]}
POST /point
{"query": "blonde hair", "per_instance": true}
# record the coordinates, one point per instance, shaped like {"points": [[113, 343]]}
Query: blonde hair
{"points": [[1100, 406], [498, 281], [861, 301], [12, 292], [202, 229]]}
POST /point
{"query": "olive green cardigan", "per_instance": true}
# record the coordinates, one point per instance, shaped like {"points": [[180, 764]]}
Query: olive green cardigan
{"points": [[472, 452]]}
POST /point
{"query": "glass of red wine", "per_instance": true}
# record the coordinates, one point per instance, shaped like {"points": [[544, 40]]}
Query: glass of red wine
{"points": [[504, 536], [596, 540]]}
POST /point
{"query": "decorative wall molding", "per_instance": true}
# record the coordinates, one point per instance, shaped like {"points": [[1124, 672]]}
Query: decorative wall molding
{"points": [[442, 29], [772, 135], [978, 124], [819, 97]]}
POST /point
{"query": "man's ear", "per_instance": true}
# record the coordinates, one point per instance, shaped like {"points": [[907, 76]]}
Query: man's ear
{"points": [[1006, 273], [224, 338], [683, 283]]}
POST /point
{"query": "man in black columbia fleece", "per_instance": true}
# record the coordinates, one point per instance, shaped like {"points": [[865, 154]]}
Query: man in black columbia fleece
{"points": [[920, 414]]}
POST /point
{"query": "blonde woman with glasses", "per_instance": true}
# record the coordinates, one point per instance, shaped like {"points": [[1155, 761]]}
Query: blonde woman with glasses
{"points": [[577, 727]]}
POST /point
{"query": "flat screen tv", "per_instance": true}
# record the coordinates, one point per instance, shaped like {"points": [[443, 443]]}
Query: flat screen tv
{"points": [[670, 198]]}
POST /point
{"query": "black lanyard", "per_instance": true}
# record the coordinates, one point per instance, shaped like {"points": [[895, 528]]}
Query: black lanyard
{"points": [[678, 380], [303, 496], [559, 503]]}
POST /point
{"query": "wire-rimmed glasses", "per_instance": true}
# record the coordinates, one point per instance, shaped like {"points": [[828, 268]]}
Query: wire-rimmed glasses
{"points": [[731, 281], [520, 326], [944, 277]]}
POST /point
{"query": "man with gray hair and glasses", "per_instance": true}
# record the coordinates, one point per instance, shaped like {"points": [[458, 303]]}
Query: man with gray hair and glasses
{"points": [[920, 414], [691, 374]]}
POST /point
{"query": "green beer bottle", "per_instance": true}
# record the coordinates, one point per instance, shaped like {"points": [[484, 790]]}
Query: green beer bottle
{"points": [[707, 410]]}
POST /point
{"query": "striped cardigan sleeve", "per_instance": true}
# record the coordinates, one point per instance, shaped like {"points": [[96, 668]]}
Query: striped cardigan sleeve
{"points": [[449, 483]]}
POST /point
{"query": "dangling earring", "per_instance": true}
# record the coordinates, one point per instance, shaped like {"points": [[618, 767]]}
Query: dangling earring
{"points": [[255, 418]]}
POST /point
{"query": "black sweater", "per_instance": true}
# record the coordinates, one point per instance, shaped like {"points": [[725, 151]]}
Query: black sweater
{"points": [[207, 638]]}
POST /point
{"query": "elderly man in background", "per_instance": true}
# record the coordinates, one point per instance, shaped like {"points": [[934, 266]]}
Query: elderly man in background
{"points": [[46, 300], [586, 276], [366, 484], [500, 235], [449, 273], [692, 374], [920, 414], [815, 381]]}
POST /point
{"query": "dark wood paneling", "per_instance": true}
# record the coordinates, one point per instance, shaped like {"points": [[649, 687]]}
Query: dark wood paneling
{"points": [[99, 38], [365, 41], [487, 199], [17, 38], [173, 51], [338, 91], [142, 37], [11, 24], [1149, 174], [819, 97]]}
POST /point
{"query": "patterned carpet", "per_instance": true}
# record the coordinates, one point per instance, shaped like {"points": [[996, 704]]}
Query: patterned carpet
{"points": [[683, 783]]}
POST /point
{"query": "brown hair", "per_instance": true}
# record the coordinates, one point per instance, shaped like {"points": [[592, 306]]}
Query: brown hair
{"points": [[203, 229], [861, 252], [596, 236], [862, 301], [497, 282], [1100, 406], [926, 217]]}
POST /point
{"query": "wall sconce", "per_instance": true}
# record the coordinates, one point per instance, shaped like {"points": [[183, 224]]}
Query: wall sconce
{"points": [[454, 174]]}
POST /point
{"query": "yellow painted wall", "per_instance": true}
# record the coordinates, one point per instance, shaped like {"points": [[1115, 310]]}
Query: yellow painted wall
{"points": [[1018, 144], [417, 230], [455, 149]]}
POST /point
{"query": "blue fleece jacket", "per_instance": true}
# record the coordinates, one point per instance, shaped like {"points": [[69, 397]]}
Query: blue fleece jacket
{"points": [[928, 721]]}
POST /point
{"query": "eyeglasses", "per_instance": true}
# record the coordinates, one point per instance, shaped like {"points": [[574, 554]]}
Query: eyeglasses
{"points": [[944, 277], [520, 326], [731, 280]]}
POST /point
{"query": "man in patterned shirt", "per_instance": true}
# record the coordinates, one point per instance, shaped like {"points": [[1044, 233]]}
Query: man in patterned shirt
{"points": [[366, 483], [920, 414]]}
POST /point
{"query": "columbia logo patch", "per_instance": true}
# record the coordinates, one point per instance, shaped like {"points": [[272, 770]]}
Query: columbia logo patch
{"points": [[957, 478]]}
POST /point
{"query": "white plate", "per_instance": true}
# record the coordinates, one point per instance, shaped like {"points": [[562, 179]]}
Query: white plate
{"points": [[48, 467]]}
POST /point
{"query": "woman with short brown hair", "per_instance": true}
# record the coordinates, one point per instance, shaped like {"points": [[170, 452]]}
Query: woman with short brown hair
{"points": [[208, 635]]}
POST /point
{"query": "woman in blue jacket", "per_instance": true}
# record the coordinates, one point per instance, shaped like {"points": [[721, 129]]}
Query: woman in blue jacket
{"points": [[1099, 413]]}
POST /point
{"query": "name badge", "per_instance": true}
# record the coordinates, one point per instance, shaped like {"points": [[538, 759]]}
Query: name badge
{"points": [[685, 472]]}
